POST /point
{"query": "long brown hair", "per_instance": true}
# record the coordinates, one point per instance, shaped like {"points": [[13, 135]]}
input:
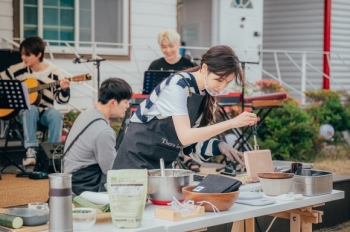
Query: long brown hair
{"points": [[222, 61]]}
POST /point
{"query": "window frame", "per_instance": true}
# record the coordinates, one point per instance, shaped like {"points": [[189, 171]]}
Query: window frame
{"points": [[66, 52]]}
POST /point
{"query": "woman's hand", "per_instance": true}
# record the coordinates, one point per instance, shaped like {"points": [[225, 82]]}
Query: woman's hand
{"points": [[244, 119], [230, 153]]}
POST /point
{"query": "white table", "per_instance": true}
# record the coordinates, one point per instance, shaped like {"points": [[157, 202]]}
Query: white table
{"points": [[237, 212]]}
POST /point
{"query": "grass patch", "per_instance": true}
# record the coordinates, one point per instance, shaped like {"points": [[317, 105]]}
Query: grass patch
{"points": [[344, 227], [334, 158]]}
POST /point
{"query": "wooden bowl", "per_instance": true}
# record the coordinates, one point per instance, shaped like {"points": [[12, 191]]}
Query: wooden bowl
{"points": [[275, 175], [222, 201]]}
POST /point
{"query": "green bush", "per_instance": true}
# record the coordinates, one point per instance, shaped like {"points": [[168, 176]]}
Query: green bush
{"points": [[326, 108], [290, 133], [70, 117]]}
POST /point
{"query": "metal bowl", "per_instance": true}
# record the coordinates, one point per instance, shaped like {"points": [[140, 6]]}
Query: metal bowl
{"points": [[31, 217], [161, 189]]}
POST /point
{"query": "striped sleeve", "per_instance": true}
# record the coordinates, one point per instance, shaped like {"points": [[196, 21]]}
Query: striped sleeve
{"points": [[203, 150], [14, 71], [61, 97]]}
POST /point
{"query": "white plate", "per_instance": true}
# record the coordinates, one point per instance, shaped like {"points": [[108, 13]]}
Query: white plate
{"points": [[249, 195]]}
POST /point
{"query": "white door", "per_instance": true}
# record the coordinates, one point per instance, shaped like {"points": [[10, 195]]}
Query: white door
{"points": [[239, 24]]}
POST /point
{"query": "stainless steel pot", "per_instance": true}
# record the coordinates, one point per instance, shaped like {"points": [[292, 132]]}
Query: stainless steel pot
{"points": [[312, 182], [161, 189]]}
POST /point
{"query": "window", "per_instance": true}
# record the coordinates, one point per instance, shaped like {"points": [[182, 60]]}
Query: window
{"points": [[80, 23], [241, 4], [190, 34]]}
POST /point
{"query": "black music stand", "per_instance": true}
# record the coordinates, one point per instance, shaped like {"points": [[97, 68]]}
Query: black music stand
{"points": [[13, 97], [152, 78]]}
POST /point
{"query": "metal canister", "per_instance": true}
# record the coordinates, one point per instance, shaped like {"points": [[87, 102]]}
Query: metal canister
{"points": [[60, 204]]}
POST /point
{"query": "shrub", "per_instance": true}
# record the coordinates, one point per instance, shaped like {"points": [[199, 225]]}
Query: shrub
{"points": [[290, 133], [326, 108], [70, 117], [269, 86]]}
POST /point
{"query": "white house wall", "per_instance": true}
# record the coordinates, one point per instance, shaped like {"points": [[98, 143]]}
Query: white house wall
{"points": [[6, 18], [147, 19], [340, 43], [294, 26]]}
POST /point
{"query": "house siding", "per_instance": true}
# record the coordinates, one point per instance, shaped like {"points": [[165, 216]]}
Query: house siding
{"points": [[147, 19], [340, 45], [6, 20], [294, 26]]}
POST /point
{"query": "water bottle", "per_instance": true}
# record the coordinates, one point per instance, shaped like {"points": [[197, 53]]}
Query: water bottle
{"points": [[60, 204]]}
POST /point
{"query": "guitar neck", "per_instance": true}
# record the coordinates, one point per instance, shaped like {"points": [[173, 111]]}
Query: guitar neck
{"points": [[55, 83]]}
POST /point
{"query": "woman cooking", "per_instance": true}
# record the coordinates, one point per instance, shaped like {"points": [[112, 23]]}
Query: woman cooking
{"points": [[178, 116]]}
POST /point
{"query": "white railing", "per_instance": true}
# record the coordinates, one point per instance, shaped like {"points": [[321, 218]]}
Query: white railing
{"points": [[298, 71]]}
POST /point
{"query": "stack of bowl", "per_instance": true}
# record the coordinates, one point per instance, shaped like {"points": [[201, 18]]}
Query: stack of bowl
{"points": [[275, 183]]}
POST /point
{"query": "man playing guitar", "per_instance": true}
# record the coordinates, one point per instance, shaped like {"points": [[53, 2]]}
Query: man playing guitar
{"points": [[42, 110]]}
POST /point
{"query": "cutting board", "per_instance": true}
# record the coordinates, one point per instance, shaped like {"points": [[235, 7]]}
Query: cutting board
{"points": [[168, 214], [258, 161], [30, 228]]}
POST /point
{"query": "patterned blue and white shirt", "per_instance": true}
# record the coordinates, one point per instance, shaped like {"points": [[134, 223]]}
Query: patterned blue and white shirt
{"points": [[170, 99]]}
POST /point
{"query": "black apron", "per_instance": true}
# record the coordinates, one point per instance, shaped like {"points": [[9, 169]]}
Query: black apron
{"points": [[145, 143], [90, 178]]}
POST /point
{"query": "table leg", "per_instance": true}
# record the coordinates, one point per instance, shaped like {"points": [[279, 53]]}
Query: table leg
{"points": [[294, 222], [238, 226], [250, 225], [307, 226]]}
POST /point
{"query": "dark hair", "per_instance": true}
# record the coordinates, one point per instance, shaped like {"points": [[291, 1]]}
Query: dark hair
{"points": [[33, 45], [222, 61], [114, 88]]}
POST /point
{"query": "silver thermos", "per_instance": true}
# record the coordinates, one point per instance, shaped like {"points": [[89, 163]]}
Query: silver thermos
{"points": [[60, 204]]}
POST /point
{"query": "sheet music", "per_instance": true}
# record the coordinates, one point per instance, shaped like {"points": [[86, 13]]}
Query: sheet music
{"points": [[26, 95]]}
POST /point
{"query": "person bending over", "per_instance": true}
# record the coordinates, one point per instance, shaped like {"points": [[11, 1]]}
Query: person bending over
{"points": [[32, 53], [178, 116], [89, 151], [169, 42]]}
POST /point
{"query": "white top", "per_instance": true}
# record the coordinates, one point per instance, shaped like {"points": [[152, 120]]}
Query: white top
{"points": [[172, 101]]}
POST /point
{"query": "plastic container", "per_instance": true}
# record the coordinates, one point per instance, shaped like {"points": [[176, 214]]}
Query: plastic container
{"points": [[38, 205], [31, 217], [83, 218]]}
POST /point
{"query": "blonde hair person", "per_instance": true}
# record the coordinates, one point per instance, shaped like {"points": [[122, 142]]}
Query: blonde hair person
{"points": [[171, 36], [170, 42]]}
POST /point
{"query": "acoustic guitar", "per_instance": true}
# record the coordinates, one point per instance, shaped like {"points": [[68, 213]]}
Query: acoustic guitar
{"points": [[35, 93]]}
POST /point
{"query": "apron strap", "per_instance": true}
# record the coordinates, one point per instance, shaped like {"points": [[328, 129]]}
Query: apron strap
{"points": [[188, 84], [81, 132]]}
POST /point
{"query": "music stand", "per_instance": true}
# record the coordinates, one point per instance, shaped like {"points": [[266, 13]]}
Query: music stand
{"points": [[13, 97], [152, 78]]}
